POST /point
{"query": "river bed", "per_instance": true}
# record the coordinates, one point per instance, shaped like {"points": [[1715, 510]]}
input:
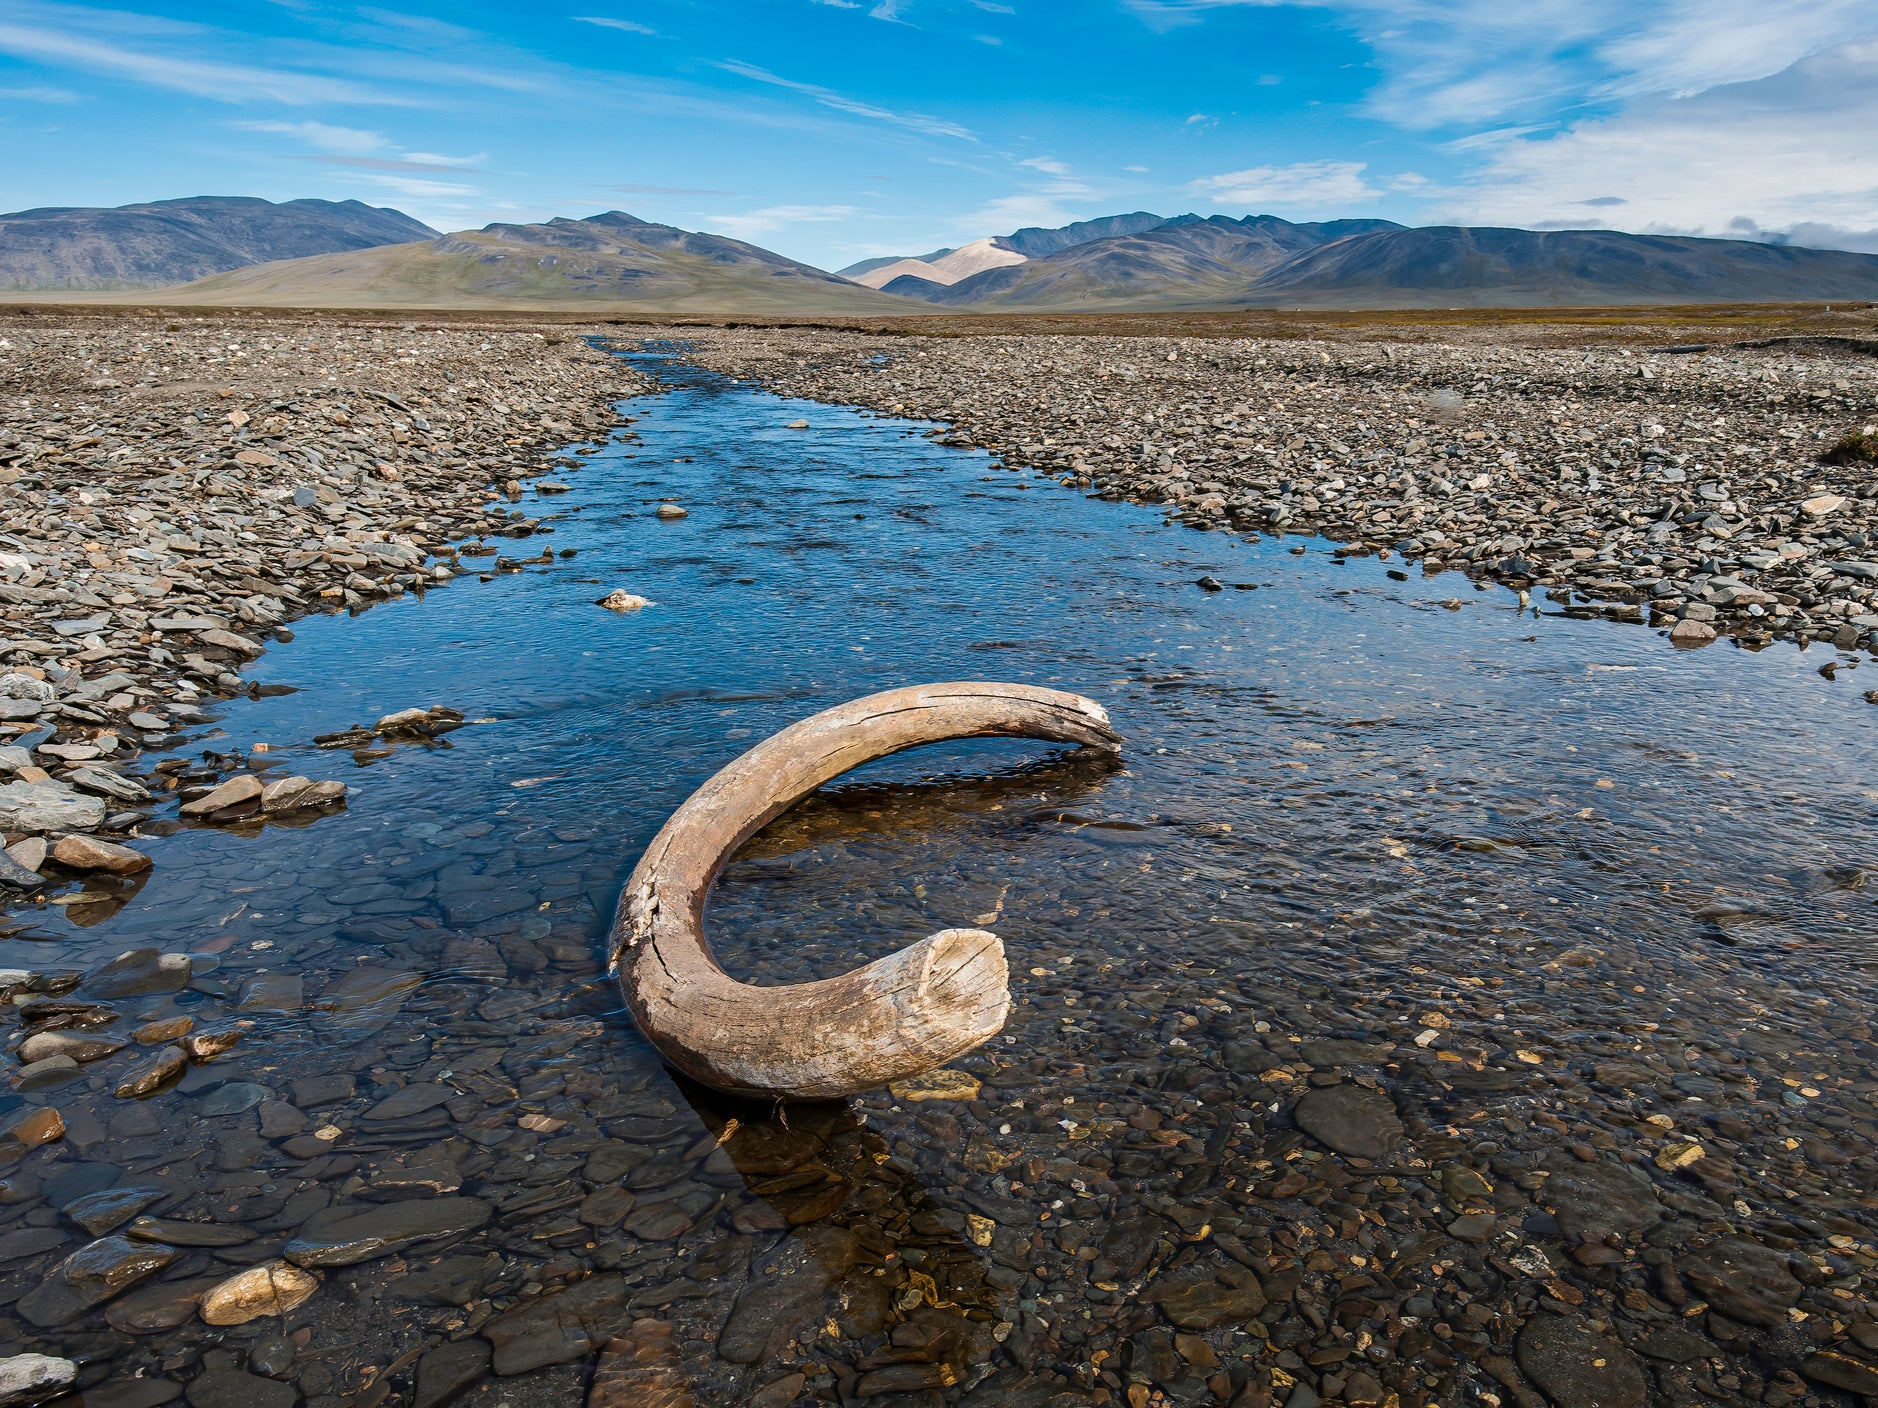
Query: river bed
{"points": [[1441, 996]]}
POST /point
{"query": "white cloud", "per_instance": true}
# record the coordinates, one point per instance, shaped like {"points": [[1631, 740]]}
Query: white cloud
{"points": [[38, 95], [777, 217], [828, 98], [628, 26], [204, 78], [1050, 166], [1787, 155], [414, 186], [1304, 183], [1447, 62], [349, 141]]}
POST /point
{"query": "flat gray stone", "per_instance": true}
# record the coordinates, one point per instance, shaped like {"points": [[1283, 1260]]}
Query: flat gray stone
{"points": [[48, 809], [90, 1276], [344, 1238], [1578, 1368], [1350, 1119]]}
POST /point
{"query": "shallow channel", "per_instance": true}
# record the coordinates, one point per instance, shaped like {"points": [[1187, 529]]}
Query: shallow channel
{"points": [[1521, 908]]}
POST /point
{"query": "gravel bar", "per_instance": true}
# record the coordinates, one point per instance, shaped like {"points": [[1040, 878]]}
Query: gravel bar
{"points": [[177, 492], [1685, 490]]}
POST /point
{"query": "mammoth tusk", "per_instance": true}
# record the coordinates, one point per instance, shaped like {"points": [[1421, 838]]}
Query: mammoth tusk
{"points": [[900, 1015]]}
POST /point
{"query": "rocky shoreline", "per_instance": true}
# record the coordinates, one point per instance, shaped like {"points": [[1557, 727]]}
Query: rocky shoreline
{"points": [[177, 492], [1688, 491]]}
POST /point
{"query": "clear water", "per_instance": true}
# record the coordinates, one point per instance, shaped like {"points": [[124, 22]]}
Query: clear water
{"points": [[1598, 879]]}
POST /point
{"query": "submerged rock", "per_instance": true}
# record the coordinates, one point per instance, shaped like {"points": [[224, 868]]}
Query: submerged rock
{"points": [[345, 1237], [1351, 1119], [558, 1327], [273, 1288], [1579, 1368], [90, 1276]]}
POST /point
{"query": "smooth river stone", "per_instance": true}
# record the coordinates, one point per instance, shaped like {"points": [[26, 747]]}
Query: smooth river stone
{"points": [[236, 1097], [408, 1101], [90, 1276], [363, 1001], [31, 1241], [99, 1212], [1350, 1119], [163, 1305], [558, 1327], [236, 1388], [79, 1046], [174, 1233], [273, 1288], [1579, 1368], [138, 971], [347, 1239]]}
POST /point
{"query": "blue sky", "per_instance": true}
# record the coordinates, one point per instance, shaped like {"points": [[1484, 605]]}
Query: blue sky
{"points": [[833, 130]]}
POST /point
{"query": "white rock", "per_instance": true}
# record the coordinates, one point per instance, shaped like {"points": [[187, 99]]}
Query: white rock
{"points": [[623, 600], [1822, 505], [32, 1378], [18, 686]]}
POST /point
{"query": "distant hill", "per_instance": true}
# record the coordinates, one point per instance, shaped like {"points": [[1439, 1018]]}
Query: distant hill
{"points": [[1035, 243], [945, 267], [1189, 263], [177, 241], [1179, 262], [610, 259], [1446, 265]]}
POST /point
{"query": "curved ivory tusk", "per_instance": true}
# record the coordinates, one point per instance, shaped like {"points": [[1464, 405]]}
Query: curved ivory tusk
{"points": [[905, 1013]]}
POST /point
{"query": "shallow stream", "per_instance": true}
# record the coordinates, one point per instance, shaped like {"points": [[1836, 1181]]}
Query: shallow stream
{"points": [[1522, 908]]}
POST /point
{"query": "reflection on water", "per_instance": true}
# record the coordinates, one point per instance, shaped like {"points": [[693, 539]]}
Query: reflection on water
{"points": [[1440, 1000]]}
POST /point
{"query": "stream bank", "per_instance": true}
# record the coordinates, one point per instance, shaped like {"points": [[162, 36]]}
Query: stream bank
{"points": [[1443, 997]]}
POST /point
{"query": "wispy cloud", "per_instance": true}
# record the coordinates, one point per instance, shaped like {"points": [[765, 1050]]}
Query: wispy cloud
{"points": [[202, 78], [665, 191], [1049, 165], [1455, 61], [1786, 157], [412, 186], [38, 95], [771, 218], [628, 26], [828, 98], [417, 161], [351, 148], [1304, 183], [353, 141]]}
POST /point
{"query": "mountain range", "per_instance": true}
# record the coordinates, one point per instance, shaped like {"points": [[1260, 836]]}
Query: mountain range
{"points": [[215, 250], [177, 241], [1190, 263], [611, 259], [949, 266]]}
